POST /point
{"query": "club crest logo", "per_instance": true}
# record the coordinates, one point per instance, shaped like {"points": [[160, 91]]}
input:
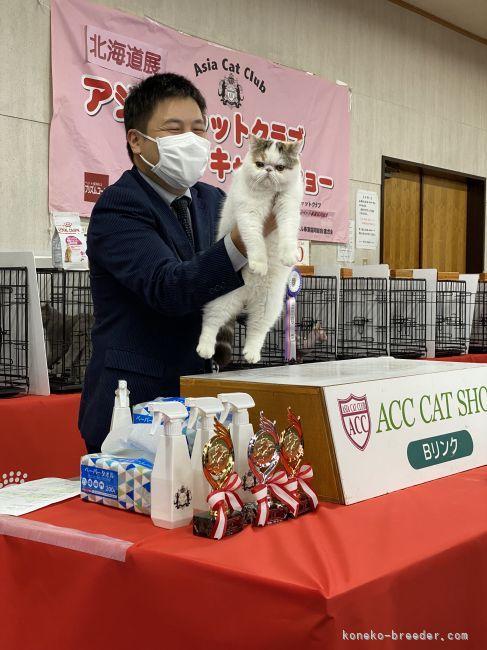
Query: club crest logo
{"points": [[355, 415], [183, 497], [248, 481], [230, 91]]}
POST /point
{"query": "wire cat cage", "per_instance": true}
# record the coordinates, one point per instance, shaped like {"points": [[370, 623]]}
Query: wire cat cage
{"points": [[272, 353], [478, 334], [362, 320], [316, 316], [14, 339], [316, 319], [407, 316], [451, 317], [67, 317]]}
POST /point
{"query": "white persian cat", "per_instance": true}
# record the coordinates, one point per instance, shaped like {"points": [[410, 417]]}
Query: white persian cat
{"points": [[269, 180]]}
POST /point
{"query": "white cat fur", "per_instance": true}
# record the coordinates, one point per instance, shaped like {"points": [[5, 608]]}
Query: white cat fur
{"points": [[254, 194]]}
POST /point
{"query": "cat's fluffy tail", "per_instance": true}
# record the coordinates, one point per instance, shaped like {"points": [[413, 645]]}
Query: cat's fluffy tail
{"points": [[224, 345]]}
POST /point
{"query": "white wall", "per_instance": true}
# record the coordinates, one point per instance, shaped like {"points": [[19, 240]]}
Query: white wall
{"points": [[419, 89]]}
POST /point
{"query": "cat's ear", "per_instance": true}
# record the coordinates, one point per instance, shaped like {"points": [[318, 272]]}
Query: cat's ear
{"points": [[294, 147], [256, 142]]}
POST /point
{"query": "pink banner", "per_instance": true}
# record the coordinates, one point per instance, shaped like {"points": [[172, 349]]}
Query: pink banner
{"points": [[99, 53]]}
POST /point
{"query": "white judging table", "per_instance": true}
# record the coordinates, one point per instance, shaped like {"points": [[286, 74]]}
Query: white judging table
{"points": [[371, 426]]}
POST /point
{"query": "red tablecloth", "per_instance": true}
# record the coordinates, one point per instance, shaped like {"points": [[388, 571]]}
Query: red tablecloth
{"points": [[39, 437], [414, 561], [464, 358]]}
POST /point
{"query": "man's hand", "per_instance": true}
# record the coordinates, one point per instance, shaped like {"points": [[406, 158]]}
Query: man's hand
{"points": [[269, 225]]}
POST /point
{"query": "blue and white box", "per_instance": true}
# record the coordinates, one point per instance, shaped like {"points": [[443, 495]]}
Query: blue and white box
{"points": [[123, 483]]}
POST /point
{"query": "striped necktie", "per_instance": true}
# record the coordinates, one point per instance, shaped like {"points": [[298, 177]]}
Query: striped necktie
{"points": [[181, 209]]}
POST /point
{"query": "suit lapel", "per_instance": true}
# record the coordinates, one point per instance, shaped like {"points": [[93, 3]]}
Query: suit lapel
{"points": [[202, 230], [175, 231], [178, 239]]}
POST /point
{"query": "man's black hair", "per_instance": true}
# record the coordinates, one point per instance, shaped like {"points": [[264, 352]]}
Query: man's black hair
{"points": [[144, 97]]}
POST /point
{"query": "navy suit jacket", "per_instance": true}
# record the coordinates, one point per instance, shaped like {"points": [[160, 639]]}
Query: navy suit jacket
{"points": [[148, 290]]}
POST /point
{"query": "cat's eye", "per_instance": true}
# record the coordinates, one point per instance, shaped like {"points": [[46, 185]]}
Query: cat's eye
{"points": [[259, 163], [280, 168]]}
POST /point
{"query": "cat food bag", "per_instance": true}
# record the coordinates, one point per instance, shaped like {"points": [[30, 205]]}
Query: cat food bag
{"points": [[68, 242]]}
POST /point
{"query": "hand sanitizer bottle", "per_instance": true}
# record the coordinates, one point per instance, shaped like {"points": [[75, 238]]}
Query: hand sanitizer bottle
{"points": [[241, 431], [206, 408], [121, 414], [172, 475]]}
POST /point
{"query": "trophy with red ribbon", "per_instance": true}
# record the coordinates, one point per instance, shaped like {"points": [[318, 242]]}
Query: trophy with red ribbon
{"points": [[224, 516], [292, 452], [274, 493]]}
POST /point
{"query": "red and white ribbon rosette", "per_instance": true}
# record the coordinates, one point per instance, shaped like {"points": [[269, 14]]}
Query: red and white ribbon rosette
{"points": [[218, 499], [283, 488], [303, 477]]}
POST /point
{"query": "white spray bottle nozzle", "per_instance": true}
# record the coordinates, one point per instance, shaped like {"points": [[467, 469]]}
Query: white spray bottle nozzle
{"points": [[173, 414], [122, 394], [235, 402], [208, 407]]}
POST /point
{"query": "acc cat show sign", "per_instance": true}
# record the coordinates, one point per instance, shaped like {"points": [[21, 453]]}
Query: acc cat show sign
{"points": [[394, 433], [99, 53]]}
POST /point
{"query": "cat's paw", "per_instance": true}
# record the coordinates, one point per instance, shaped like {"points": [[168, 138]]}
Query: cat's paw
{"points": [[206, 349], [288, 256], [258, 266], [251, 354]]}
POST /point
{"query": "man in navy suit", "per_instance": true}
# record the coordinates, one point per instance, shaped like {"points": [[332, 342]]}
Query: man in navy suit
{"points": [[153, 260]]}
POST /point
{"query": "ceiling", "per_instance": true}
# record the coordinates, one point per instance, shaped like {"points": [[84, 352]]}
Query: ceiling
{"points": [[470, 15]]}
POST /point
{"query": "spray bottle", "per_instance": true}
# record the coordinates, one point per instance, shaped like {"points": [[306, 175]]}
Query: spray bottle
{"points": [[206, 408], [172, 475], [241, 431], [121, 414], [117, 442]]}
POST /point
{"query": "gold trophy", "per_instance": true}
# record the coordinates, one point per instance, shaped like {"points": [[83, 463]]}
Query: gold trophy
{"points": [[274, 498], [292, 453], [224, 516]]}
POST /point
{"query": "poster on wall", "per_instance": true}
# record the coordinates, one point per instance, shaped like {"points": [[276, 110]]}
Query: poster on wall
{"points": [[346, 252], [98, 54], [367, 220], [304, 252]]}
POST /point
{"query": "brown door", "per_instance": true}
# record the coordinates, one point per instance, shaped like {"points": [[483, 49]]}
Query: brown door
{"points": [[401, 220], [444, 227]]}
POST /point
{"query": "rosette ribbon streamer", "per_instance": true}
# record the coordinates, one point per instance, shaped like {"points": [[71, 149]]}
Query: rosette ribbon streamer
{"points": [[293, 288], [219, 499], [303, 477], [282, 488]]}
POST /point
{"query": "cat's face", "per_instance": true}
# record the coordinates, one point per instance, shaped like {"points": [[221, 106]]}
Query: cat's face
{"points": [[320, 332], [272, 165], [45, 313]]}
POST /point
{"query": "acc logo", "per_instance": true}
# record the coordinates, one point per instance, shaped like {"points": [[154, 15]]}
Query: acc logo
{"points": [[355, 415], [230, 91]]}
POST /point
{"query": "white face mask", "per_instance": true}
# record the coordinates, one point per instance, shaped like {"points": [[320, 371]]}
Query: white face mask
{"points": [[182, 158]]}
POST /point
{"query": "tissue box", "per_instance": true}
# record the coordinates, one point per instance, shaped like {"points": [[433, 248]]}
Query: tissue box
{"points": [[141, 413], [117, 482]]}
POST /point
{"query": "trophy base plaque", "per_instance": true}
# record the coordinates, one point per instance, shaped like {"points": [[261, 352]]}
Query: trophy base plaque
{"points": [[305, 505], [277, 513], [204, 523], [249, 511]]}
